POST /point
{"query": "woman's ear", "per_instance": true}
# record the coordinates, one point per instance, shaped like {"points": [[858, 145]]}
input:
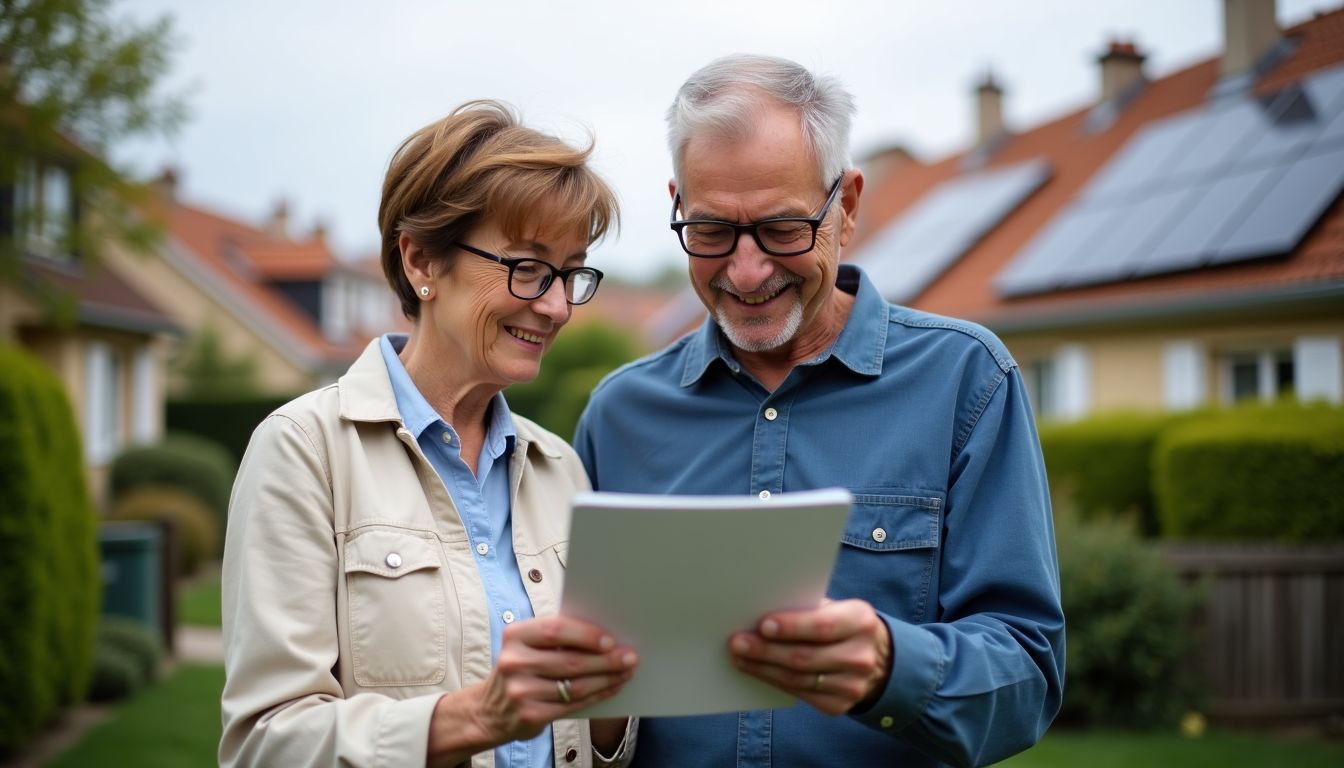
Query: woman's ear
{"points": [[418, 267]]}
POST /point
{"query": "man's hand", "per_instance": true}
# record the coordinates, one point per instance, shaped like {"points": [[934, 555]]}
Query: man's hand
{"points": [[833, 657]]}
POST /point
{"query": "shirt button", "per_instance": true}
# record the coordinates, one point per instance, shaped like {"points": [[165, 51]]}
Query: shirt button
{"points": [[571, 755], [879, 535], [393, 560], [771, 414], [764, 495], [534, 575], [508, 617], [887, 721], [482, 549], [448, 437]]}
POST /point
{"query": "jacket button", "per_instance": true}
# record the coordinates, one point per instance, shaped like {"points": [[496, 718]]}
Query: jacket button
{"points": [[534, 575], [571, 755], [393, 560], [879, 535]]}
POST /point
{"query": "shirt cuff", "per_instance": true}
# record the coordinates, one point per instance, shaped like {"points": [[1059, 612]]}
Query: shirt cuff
{"points": [[403, 731], [625, 751], [917, 669]]}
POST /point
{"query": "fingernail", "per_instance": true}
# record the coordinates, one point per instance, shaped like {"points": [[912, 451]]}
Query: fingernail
{"points": [[769, 627], [740, 644], [629, 659], [607, 642]]}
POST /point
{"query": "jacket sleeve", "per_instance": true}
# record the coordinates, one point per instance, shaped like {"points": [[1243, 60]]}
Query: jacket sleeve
{"points": [[985, 680], [282, 703]]}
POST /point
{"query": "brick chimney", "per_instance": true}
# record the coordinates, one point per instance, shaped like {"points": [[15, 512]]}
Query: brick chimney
{"points": [[1250, 30], [989, 111], [279, 224], [1121, 68]]}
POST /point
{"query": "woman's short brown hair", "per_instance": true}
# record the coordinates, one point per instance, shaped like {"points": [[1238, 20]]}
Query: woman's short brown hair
{"points": [[480, 162]]}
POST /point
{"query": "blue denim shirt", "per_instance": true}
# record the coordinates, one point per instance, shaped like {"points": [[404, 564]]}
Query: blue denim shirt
{"points": [[926, 421], [482, 499]]}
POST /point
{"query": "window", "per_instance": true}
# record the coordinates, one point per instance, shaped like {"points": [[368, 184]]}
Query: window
{"points": [[1041, 387], [1261, 374], [102, 402], [44, 210]]}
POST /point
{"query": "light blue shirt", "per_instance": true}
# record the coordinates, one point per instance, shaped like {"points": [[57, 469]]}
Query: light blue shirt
{"points": [[926, 421], [482, 500]]}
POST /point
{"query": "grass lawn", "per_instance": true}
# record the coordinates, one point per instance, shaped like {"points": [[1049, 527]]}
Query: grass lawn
{"points": [[198, 602], [1216, 749], [172, 723]]}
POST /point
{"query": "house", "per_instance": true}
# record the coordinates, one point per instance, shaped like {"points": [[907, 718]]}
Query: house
{"points": [[280, 299], [106, 341], [1179, 242]]}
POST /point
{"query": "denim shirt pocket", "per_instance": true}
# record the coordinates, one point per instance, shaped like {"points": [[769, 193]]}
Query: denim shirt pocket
{"points": [[889, 552], [397, 624]]}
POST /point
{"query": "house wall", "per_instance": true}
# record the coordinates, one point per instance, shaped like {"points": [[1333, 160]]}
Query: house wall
{"points": [[194, 309], [1129, 368]]}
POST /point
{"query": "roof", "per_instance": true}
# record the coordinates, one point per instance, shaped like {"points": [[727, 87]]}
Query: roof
{"points": [[101, 298], [1075, 154], [235, 261]]}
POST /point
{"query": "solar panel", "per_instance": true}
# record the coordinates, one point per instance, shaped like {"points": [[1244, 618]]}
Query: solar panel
{"points": [[1241, 178], [912, 251], [1287, 210]]}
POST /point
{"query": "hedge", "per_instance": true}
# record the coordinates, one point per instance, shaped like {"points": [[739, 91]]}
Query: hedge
{"points": [[1103, 466], [49, 581], [227, 421], [191, 463], [1261, 472], [194, 525]]}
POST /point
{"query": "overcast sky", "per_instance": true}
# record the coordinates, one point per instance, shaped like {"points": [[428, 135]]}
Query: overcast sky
{"points": [[305, 100]]}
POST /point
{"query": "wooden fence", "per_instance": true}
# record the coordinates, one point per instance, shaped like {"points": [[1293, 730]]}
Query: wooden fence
{"points": [[1270, 629]]}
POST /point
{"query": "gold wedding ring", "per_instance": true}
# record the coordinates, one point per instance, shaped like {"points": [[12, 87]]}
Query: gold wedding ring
{"points": [[563, 687], [816, 684]]}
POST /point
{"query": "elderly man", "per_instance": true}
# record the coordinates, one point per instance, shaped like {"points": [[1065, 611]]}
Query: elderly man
{"points": [[943, 638]]}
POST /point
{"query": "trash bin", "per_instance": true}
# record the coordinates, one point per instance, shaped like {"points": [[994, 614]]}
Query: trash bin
{"points": [[132, 567]]}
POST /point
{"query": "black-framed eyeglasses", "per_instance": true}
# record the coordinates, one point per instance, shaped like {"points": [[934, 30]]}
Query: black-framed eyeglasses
{"points": [[529, 278], [783, 236]]}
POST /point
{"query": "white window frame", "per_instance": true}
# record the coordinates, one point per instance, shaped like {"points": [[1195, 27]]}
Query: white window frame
{"points": [[1318, 373], [1266, 358], [1184, 375], [103, 428]]}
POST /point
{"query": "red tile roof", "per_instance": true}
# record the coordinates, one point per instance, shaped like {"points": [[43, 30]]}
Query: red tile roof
{"points": [[967, 289]]}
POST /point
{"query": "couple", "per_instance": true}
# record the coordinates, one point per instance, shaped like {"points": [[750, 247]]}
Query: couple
{"points": [[396, 540]]}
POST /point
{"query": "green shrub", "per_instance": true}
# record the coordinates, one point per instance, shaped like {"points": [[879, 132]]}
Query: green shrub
{"points": [[116, 675], [1129, 640], [228, 421], [49, 585], [195, 530], [1257, 472], [1103, 466], [136, 641], [577, 361], [192, 463]]}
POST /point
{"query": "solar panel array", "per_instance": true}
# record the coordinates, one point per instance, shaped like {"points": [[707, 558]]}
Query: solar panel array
{"points": [[1242, 178], [915, 248]]}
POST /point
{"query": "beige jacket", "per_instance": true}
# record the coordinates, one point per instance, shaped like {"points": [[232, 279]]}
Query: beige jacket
{"points": [[351, 599]]}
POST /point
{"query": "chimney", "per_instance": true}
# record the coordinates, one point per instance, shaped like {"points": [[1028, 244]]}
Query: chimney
{"points": [[166, 185], [1121, 68], [279, 226], [320, 230], [1250, 30], [989, 111]]}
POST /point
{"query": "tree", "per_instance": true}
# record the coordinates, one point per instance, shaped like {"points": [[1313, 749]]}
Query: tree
{"points": [[206, 370], [73, 81]]}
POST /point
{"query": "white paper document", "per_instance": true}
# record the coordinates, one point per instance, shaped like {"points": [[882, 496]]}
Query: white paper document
{"points": [[676, 576]]}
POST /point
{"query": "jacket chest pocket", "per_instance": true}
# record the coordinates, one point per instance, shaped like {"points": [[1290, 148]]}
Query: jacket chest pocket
{"points": [[397, 624], [889, 553]]}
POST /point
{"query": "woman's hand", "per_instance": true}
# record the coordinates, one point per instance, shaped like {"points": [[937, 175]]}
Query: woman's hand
{"points": [[548, 668]]}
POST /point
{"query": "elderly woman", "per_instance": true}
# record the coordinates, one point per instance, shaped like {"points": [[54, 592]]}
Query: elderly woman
{"points": [[397, 540]]}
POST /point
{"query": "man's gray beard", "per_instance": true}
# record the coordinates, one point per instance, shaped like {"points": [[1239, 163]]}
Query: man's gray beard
{"points": [[737, 334]]}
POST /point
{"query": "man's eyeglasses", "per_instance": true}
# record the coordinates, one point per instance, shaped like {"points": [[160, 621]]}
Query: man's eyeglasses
{"points": [[784, 236], [529, 278]]}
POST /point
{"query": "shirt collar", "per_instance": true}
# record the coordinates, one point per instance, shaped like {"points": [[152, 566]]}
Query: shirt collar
{"points": [[418, 415], [861, 346]]}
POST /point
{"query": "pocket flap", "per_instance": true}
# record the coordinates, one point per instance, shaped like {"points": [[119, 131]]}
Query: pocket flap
{"points": [[889, 522], [390, 553]]}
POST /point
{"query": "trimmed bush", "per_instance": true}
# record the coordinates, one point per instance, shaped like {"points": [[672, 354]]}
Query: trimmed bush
{"points": [[579, 359], [136, 641], [1128, 634], [195, 528], [49, 584], [1103, 466], [191, 463], [1257, 472], [116, 675], [228, 421]]}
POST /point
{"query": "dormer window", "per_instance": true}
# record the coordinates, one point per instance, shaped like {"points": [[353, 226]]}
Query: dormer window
{"points": [[44, 211]]}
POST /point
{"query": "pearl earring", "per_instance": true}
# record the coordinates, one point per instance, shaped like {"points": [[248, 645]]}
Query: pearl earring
{"points": [[424, 291]]}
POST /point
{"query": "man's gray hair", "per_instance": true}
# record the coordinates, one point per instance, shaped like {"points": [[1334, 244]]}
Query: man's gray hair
{"points": [[725, 96]]}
